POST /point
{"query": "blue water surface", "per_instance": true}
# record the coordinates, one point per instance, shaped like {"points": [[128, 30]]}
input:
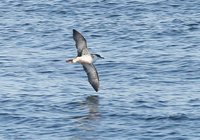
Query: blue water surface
{"points": [[149, 79]]}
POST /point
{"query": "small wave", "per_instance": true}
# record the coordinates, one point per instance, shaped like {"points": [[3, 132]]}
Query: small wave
{"points": [[193, 26], [174, 117], [178, 117], [196, 100], [46, 72]]}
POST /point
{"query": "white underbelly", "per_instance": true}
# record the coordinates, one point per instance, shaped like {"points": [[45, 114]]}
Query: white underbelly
{"points": [[85, 59]]}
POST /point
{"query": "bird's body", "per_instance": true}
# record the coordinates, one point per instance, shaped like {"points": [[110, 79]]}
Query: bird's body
{"points": [[86, 59], [82, 59]]}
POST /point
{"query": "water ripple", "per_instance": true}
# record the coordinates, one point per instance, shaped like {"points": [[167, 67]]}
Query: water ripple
{"points": [[149, 79]]}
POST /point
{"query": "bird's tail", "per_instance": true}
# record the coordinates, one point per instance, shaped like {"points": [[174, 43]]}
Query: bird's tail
{"points": [[69, 61]]}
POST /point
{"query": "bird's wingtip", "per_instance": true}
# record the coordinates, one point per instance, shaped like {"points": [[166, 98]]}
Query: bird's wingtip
{"points": [[77, 34], [75, 31], [96, 89]]}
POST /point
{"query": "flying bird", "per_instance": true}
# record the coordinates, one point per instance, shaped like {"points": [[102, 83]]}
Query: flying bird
{"points": [[86, 59]]}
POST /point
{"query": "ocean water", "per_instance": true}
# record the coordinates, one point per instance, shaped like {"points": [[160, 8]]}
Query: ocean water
{"points": [[149, 79]]}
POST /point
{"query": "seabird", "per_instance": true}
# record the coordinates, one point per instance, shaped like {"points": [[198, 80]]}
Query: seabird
{"points": [[86, 59]]}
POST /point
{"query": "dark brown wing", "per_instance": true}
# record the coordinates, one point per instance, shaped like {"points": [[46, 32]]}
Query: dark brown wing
{"points": [[92, 74], [81, 44]]}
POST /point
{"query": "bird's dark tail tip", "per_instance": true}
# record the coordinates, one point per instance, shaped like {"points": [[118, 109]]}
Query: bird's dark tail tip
{"points": [[69, 61]]}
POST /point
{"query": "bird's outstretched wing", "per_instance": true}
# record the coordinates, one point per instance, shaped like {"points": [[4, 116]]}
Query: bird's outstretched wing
{"points": [[92, 74], [81, 44]]}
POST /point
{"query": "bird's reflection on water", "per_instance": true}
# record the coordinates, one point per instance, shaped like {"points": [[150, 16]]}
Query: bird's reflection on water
{"points": [[89, 121], [92, 103]]}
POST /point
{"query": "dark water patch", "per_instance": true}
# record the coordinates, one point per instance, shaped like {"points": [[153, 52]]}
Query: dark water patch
{"points": [[176, 117], [196, 100], [145, 106], [60, 12], [46, 72], [56, 60], [140, 101], [114, 16], [96, 36], [11, 118], [164, 62], [174, 5], [193, 26]]}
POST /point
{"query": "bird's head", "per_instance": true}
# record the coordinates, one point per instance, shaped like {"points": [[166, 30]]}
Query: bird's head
{"points": [[96, 56]]}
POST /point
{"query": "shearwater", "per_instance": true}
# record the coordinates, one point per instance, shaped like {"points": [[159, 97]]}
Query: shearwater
{"points": [[86, 59]]}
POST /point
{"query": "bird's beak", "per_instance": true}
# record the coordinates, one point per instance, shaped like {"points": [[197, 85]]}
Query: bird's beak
{"points": [[101, 57]]}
